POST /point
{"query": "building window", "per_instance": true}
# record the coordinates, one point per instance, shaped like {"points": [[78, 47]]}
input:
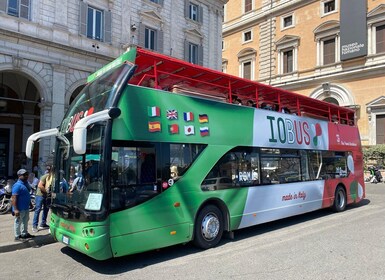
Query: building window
{"points": [[193, 11], [380, 129], [246, 60], [288, 61], [193, 53], [328, 43], [287, 50], [150, 38], [95, 24], [287, 21], [247, 36], [248, 5], [380, 39], [246, 70], [328, 6], [160, 2], [19, 8], [329, 51]]}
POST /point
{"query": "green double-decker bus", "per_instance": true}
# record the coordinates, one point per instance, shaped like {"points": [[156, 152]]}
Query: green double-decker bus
{"points": [[157, 151]]}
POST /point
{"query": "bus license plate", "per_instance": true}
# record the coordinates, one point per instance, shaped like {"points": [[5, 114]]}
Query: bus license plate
{"points": [[66, 240]]}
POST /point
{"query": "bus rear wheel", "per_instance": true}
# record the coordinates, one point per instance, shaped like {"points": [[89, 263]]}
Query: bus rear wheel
{"points": [[339, 199], [208, 227]]}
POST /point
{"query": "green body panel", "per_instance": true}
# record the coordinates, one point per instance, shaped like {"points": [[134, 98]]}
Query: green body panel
{"points": [[228, 124], [98, 244], [155, 219]]}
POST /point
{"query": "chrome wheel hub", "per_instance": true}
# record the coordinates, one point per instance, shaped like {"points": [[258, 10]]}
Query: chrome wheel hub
{"points": [[210, 227]]}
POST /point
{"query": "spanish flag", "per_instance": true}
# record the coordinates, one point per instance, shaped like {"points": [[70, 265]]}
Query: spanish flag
{"points": [[154, 126]]}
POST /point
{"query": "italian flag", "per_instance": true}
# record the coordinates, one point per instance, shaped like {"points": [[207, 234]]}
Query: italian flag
{"points": [[154, 111]]}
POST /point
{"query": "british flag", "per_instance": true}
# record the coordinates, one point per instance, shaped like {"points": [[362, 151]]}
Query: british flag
{"points": [[172, 114]]}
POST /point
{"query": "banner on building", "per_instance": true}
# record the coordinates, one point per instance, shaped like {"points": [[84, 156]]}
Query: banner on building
{"points": [[353, 29]]}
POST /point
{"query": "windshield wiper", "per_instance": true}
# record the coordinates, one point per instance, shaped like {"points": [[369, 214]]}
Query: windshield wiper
{"points": [[77, 208], [65, 207]]}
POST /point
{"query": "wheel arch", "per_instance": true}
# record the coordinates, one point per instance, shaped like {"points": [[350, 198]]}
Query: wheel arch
{"points": [[221, 206]]}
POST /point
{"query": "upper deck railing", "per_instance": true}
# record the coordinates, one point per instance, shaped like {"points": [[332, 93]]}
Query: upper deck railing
{"points": [[180, 76]]}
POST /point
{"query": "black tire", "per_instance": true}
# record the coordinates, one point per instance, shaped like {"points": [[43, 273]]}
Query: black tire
{"points": [[32, 205], [340, 201], [208, 228], [5, 205]]}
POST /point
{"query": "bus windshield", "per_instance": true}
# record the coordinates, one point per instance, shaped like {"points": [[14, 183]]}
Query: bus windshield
{"points": [[79, 191], [96, 96]]}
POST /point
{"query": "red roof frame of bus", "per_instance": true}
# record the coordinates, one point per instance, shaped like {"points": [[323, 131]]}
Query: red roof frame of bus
{"points": [[169, 71]]}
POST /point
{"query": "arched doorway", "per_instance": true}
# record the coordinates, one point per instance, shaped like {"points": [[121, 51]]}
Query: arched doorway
{"points": [[19, 118]]}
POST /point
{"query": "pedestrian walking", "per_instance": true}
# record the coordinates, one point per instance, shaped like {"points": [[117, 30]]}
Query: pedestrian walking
{"points": [[41, 198], [20, 205]]}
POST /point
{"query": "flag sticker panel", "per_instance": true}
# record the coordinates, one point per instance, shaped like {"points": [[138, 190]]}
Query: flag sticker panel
{"points": [[154, 127], [188, 116], [153, 111], [189, 130]]}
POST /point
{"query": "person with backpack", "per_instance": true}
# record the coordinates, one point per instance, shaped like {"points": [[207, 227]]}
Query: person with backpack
{"points": [[43, 190]]}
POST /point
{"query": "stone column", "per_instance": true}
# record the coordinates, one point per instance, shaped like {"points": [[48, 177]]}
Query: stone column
{"points": [[60, 30]]}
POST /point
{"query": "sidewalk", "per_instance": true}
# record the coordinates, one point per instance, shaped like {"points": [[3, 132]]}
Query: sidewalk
{"points": [[7, 243]]}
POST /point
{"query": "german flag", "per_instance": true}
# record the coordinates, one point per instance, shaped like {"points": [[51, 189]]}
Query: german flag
{"points": [[154, 127], [203, 118]]}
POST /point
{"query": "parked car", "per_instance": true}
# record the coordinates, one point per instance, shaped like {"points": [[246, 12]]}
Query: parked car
{"points": [[218, 183]]}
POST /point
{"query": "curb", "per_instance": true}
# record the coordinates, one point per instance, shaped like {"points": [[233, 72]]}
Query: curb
{"points": [[36, 242]]}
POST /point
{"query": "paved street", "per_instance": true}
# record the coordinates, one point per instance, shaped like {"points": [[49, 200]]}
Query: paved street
{"points": [[319, 245]]}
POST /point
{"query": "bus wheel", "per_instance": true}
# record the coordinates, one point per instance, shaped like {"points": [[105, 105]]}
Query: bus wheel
{"points": [[339, 199], [208, 228]]}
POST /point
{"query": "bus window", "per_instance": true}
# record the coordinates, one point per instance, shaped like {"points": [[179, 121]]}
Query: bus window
{"points": [[140, 170], [328, 164], [237, 168], [280, 166]]}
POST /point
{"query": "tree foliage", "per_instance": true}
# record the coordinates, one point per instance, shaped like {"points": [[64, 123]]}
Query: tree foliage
{"points": [[374, 155]]}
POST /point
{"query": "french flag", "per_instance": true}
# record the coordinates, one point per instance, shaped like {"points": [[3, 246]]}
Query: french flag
{"points": [[188, 116]]}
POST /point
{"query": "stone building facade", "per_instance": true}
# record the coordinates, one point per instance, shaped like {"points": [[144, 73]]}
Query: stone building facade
{"points": [[296, 45], [49, 47]]}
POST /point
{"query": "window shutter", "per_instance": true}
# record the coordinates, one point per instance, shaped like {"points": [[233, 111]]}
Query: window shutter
{"points": [[3, 5], [380, 39], [200, 55], [200, 14], [83, 19], [142, 35], [107, 26], [186, 50], [159, 42], [187, 8], [24, 8]]}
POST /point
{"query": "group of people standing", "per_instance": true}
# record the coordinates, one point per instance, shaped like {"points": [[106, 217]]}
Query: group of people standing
{"points": [[21, 198]]}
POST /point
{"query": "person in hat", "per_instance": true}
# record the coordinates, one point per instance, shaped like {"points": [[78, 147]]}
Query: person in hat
{"points": [[41, 198], [20, 205]]}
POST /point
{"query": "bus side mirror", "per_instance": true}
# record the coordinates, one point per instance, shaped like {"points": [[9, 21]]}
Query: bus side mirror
{"points": [[80, 130], [36, 136]]}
